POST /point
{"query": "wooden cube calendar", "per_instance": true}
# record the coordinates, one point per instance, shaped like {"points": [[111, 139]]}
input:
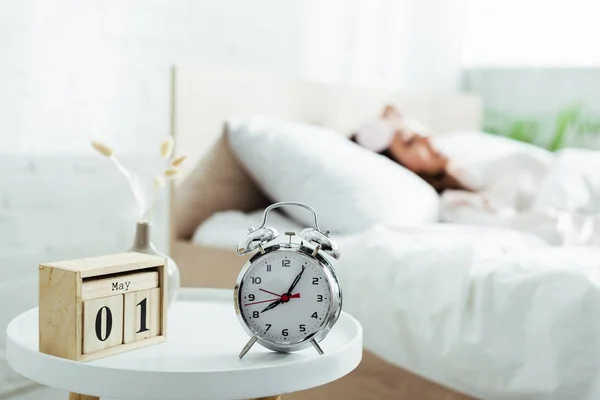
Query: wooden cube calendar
{"points": [[96, 307]]}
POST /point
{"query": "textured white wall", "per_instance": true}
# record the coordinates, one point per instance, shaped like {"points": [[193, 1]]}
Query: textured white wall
{"points": [[74, 69]]}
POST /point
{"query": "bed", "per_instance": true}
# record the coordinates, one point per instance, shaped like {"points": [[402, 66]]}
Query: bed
{"points": [[202, 100], [504, 310]]}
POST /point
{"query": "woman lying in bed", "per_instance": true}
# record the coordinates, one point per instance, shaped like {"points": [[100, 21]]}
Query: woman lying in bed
{"points": [[489, 180]]}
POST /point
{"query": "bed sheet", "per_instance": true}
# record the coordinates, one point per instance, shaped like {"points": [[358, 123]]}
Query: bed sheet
{"points": [[521, 323]]}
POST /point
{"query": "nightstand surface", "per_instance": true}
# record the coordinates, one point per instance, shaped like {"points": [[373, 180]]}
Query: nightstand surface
{"points": [[199, 360]]}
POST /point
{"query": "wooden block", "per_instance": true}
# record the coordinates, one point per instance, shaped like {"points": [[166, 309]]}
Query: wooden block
{"points": [[60, 311], [142, 315], [122, 283], [102, 323], [65, 286], [110, 264]]}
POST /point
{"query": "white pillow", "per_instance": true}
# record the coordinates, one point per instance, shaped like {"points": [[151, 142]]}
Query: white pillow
{"points": [[350, 187]]}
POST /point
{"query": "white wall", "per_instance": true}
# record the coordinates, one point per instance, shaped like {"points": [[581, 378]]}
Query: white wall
{"points": [[74, 69]]}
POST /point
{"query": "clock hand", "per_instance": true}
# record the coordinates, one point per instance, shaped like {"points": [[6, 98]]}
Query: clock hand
{"points": [[284, 299], [262, 301], [272, 305], [293, 285], [266, 291]]}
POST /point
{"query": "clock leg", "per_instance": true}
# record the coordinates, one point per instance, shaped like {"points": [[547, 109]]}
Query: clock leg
{"points": [[77, 396], [248, 346], [317, 347]]}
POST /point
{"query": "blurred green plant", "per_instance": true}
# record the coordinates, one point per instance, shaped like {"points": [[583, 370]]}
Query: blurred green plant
{"points": [[524, 129], [572, 125]]}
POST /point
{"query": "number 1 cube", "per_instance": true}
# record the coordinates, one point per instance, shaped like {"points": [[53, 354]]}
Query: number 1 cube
{"points": [[142, 315]]}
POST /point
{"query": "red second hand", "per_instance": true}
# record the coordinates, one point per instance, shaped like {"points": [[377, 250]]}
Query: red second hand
{"points": [[266, 291], [294, 296], [262, 301]]}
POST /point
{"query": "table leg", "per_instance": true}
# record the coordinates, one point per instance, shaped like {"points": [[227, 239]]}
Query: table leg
{"points": [[77, 396]]}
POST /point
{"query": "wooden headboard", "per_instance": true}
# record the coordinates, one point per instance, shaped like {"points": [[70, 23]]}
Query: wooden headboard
{"points": [[202, 100]]}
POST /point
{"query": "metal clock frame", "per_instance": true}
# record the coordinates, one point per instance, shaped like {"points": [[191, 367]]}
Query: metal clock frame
{"points": [[333, 313]]}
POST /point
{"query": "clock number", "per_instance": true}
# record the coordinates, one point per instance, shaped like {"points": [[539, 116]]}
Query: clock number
{"points": [[255, 314], [268, 327], [256, 280], [319, 298], [315, 281], [251, 297], [109, 321], [268, 267], [285, 263], [302, 328], [143, 327], [284, 332], [314, 315]]}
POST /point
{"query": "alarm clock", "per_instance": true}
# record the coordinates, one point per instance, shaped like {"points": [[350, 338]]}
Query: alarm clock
{"points": [[287, 296]]}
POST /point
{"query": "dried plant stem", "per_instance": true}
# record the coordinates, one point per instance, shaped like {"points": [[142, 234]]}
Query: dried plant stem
{"points": [[145, 201], [158, 185], [133, 182], [147, 216]]}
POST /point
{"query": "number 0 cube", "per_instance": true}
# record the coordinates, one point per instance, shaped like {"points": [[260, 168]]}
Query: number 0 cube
{"points": [[102, 323]]}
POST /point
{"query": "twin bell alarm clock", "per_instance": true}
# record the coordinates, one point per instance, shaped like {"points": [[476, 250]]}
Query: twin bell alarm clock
{"points": [[287, 296]]}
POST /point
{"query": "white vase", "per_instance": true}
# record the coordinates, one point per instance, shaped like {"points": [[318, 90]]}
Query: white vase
{"points": [[143, 244]]}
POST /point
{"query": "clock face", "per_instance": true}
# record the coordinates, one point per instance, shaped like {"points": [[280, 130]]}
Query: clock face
{"points": [[285, 297]]}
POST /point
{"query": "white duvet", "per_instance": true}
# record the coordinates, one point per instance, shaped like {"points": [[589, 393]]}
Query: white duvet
{"points": [[518, 324], [555, 196]]}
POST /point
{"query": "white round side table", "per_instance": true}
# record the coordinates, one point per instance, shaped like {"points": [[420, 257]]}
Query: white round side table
{"points": [[199, 360]]}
